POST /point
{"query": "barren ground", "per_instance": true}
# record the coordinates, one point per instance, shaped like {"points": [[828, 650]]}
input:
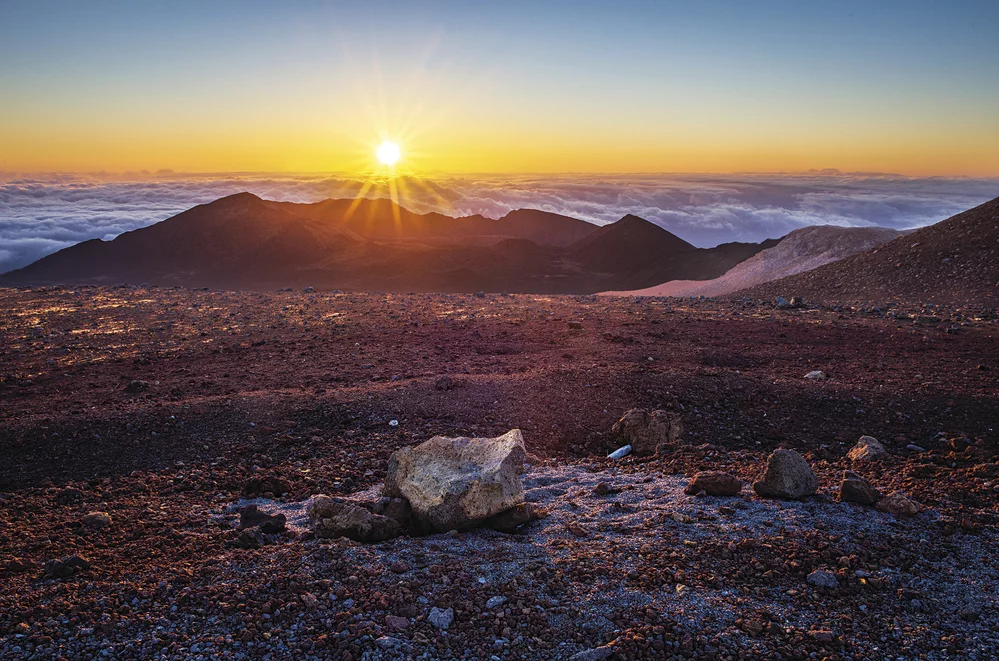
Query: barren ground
{"points": [[304, 386]]}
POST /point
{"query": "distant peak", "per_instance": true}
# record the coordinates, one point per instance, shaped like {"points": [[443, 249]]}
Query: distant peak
{"points": [[238, 197]]}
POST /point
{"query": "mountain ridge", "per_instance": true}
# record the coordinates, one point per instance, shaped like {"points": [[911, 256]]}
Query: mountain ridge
{"points": [[246, 242]]}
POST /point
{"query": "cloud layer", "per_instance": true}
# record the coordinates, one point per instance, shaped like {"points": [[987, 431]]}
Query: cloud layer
{"points": [[42, 214]]}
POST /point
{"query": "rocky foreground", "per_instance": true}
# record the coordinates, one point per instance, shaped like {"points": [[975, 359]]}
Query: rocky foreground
{"points": [[137, 425]]}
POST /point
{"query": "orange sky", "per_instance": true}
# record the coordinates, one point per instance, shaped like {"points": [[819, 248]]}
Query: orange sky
{"points": [[640, 88]]}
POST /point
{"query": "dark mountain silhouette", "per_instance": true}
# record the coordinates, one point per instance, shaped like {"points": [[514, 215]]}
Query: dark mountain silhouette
{"points": [[636, 250], [955, 261], [244, 242]]}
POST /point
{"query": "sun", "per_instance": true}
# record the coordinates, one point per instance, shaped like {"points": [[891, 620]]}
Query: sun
{"points": [[388, 153]]}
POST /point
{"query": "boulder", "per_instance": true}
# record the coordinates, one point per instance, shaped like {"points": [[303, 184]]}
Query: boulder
{"points": [[867, 449], [250, 516], [340, 518], [787, 475], [456, 483], [855, 489], [648, 433], [896, 503], [714, 483]]}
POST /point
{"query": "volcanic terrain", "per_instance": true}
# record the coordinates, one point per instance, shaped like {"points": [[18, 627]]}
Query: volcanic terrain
{"points": [[135, 421], [955, 261]]}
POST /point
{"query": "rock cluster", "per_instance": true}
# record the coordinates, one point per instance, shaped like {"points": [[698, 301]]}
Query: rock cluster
{"points": [[648, 433], [334, 517]]}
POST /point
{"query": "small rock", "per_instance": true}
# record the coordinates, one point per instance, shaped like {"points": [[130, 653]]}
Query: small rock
{"points": [[855, 489], [575, 325], [250, 517], [396, 622], [816, 375], [399, 567], [69, 496], [787, 475], [65, 568], [867, 449], [912, 447], [714, 483], [96, 521], [251, 538], [648, 433], [823, 579], [576, 529], [494, 602], [441, 619], [594, 654], [388, 643], [136, 386], [898, 504], [444, 382], [257, 486], [339, 518], [513, 518]]}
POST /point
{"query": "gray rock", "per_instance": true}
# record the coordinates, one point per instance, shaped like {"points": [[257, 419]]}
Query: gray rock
{"points": [[898, 504], [456, 483], [389, 643], [338, 518], [595, 654], [441, 619], [251, 538], [867, 449], [855, 489], [823, 579], [648, 433], [787, 475], [495, 602], [816, 375]]}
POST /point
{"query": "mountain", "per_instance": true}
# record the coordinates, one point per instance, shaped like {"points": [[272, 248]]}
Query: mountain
{"points": [[635, 250], [245, 242], [802, 250], [955, 261]]}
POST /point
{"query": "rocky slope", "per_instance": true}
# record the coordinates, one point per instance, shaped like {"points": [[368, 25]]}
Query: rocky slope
{"points": [[955, 261], [802, 250]]}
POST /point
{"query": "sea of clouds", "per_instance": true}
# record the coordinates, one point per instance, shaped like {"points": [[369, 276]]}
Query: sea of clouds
{"points": [[40, 214]]}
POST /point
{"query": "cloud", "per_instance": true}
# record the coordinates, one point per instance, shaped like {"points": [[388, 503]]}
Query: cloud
{"points": [[44, 213]]}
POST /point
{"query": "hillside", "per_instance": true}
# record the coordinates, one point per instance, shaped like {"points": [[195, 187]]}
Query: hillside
{"points": [[954, 261], [802, 250]]}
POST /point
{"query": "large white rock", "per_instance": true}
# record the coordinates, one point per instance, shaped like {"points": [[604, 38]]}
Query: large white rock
{"points": [[456, 483]]}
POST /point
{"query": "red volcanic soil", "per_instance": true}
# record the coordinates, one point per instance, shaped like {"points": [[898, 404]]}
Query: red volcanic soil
{"points": [[954, 262], [158, 405]]}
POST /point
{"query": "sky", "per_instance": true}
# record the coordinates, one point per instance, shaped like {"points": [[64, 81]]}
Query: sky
{"points": [[896, 86]]}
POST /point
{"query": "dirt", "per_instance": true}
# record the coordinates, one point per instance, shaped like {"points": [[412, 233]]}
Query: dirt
{"points": [[157, 406]]}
